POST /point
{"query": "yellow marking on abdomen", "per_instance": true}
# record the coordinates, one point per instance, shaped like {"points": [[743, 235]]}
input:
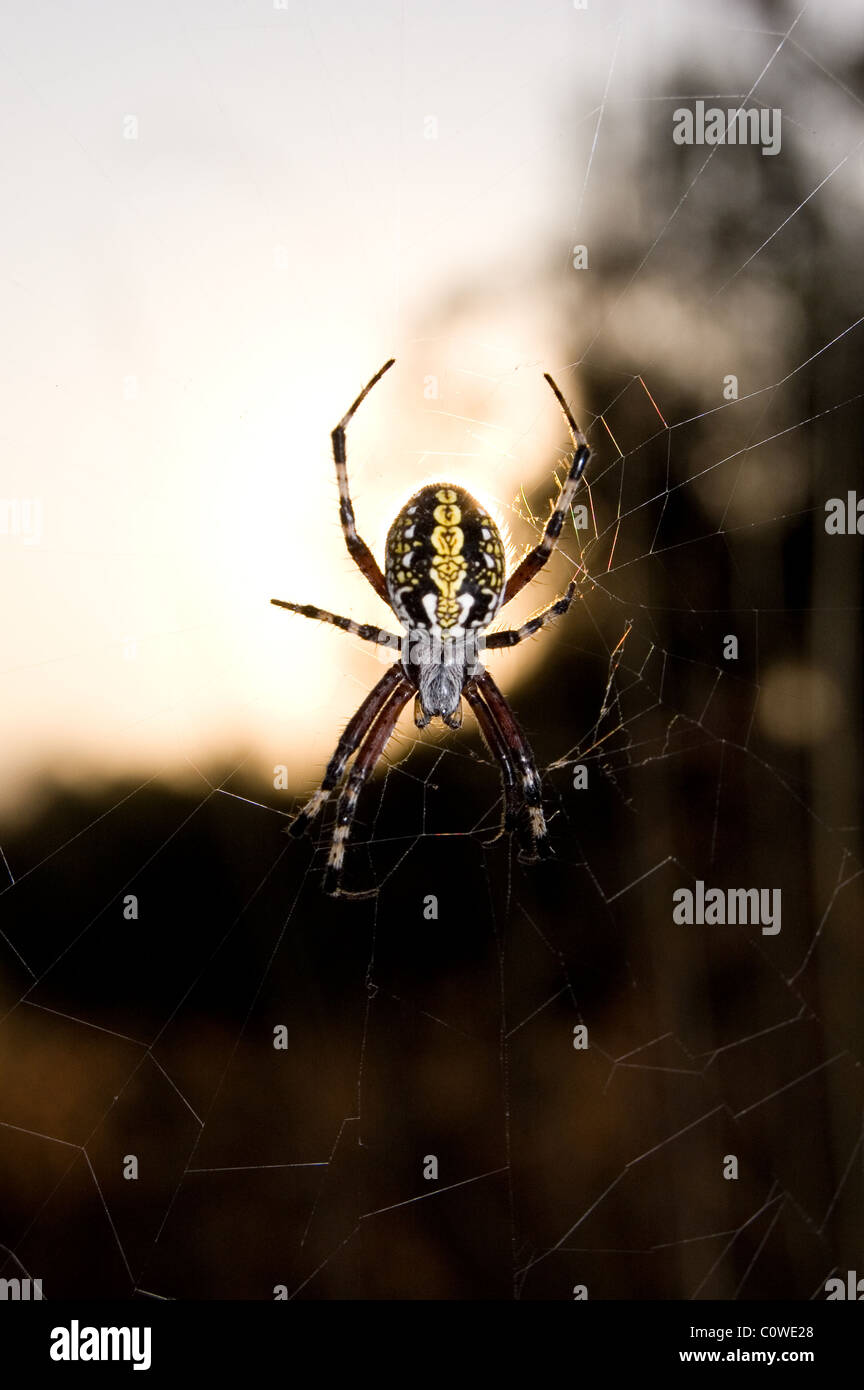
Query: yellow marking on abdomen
{"points": [[448, 568]]}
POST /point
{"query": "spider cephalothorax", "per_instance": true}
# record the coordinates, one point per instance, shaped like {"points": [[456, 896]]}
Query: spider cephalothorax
{"points": [[445, 580]]}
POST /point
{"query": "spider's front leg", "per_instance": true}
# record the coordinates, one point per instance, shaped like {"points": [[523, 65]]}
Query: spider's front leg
{"points": [[536, 558], [357, 547]]}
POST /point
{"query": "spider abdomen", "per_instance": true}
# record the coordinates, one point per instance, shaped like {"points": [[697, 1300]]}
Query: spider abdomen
{"points": [[444, 562]]}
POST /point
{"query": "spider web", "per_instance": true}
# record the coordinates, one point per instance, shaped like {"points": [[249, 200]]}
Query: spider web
{"points": [[429, 1129]]}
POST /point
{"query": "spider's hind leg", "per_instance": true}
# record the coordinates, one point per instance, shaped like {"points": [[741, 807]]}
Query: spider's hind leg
{"points": [[498, 748], [373, 746], [355, 731], [520, 775]]}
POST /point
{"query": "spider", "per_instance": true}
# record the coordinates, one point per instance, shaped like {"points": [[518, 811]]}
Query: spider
{"points": [[445, 580]]}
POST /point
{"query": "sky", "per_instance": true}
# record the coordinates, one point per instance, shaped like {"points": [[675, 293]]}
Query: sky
{"points": [[220, 220]]}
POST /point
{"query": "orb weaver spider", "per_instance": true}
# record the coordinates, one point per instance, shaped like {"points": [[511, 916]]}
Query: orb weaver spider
{"points": [[445, 580]]}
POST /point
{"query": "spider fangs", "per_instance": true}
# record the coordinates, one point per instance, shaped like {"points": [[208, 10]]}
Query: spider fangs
{"points": [[445, 580]]}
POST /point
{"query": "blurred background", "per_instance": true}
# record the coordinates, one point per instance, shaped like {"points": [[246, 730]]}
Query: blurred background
{"points": [[221, 220]]}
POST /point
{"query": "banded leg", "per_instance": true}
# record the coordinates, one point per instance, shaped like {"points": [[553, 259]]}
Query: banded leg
{"points": [[513, 636], [368, 631], [357, 548], [534, 561], [364, 764], [498, 748], [355, 731], [535, 844]]}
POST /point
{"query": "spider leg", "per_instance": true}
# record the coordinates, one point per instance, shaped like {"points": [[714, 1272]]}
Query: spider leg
{"points": [[513, 636], [355, 731], [498, 748], [536, 558], [373, 746], [357, 548], [532, 823], [368, 631]]}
